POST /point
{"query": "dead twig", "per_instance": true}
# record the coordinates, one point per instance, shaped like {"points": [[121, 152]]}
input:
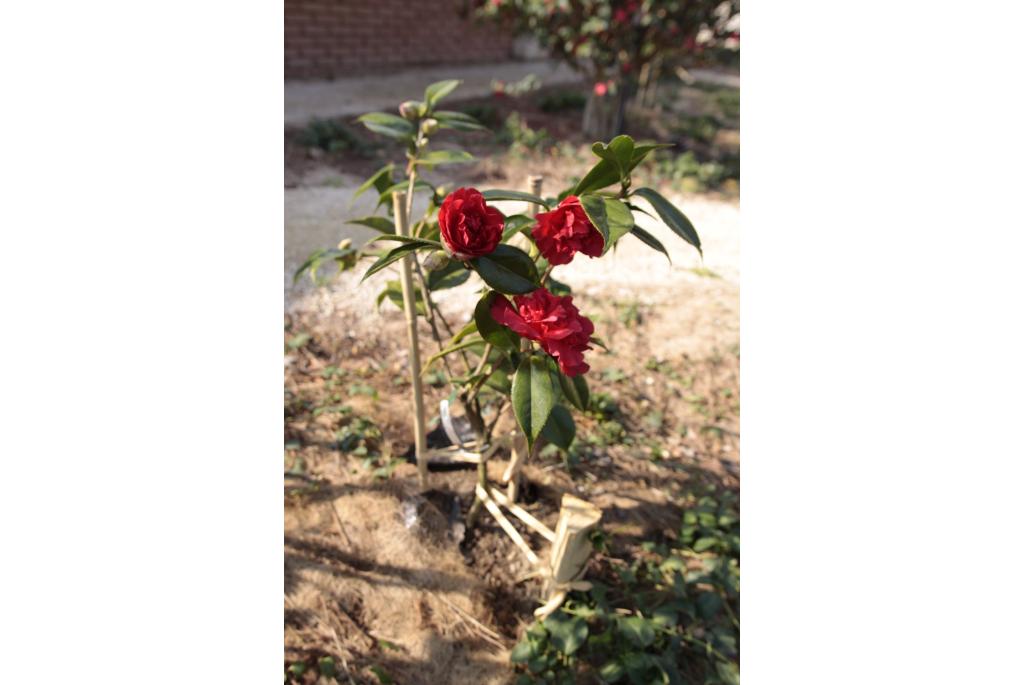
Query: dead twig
{"points": [[485, 633]]}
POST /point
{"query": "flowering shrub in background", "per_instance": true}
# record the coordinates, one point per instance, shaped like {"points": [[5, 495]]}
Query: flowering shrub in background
{"points": [[619, 45]]}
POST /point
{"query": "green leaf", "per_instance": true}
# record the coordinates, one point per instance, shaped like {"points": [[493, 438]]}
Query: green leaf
{"points": [[556, 287], [522, 652], [704, 544], [464, 345], [515, 196], [435, 91], [619, 152], [560, 429], [389, 125], [466, 330], [575, 390], [649, 240], [514, 224], [508, 270], [327, 667], [396, 254], [533, 396], [395, 238], [637, 630], [601, 175], [385, 196], [438, 157], [451, 275], [612, 671], [641, 151], [377, 223], [345, 259], [672, 217], [708, 604], [381, 180], [620, 221], [593, 206], [493, 332], [393, 292], [567, 633], [458, 121]]}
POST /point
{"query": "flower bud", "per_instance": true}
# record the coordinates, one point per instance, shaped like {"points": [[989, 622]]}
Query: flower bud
{"points": [[410, 109], [345, 244], [435, 261], [429, 126]]}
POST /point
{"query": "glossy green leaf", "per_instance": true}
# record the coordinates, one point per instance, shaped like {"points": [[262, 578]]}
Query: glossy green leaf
{"points": [[601, 175], [620, 221], [393, 292], [493, 332], [650, 241], [560, 429], [514, 196], [451, 275], [381, 180], [385, 124], [395, 238], [458, 121], [439, 157], [534, 394], [466, 330], [508, 270], [671, 215], [464, 345], [516, 223], [385, 196], [435, 91], [396, 254], [619, 152], [576, 390], [593, 206], [377, 223]]}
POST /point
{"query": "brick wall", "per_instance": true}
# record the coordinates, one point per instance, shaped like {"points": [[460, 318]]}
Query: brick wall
{"points": [[329, 38]]}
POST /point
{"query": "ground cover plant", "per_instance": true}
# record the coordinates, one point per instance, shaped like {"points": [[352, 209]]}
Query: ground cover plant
{"points": [[650, 616]]}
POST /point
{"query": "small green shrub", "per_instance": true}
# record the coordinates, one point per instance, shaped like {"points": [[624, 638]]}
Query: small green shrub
{"points": [[518, 135], [563, 101], [332, 136]]}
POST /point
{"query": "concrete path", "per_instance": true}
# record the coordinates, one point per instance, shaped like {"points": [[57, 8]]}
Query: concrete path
{"points": [[305, 100]]}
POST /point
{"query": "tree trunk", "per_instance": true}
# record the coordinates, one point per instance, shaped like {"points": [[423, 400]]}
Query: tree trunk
{"points": [[602, 116]]}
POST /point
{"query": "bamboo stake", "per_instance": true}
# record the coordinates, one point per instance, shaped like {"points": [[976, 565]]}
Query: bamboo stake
{"points": [[506, 525], [536, 182], [524, 516], [409, 301]]}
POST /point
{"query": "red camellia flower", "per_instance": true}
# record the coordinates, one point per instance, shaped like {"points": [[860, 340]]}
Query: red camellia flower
{"points": [[566, 230], [552, 321], [600, 89], [469, 228]]}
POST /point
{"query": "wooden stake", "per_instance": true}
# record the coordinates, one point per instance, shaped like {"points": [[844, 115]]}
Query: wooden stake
{"points": [[409, 301]]}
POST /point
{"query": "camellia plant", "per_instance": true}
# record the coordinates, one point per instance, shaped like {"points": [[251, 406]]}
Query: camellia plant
{"points": [[618, 45], [527, 343]]}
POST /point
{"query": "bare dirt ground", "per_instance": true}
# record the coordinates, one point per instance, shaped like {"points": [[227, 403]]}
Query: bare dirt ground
{"points": [[387, 583]]}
